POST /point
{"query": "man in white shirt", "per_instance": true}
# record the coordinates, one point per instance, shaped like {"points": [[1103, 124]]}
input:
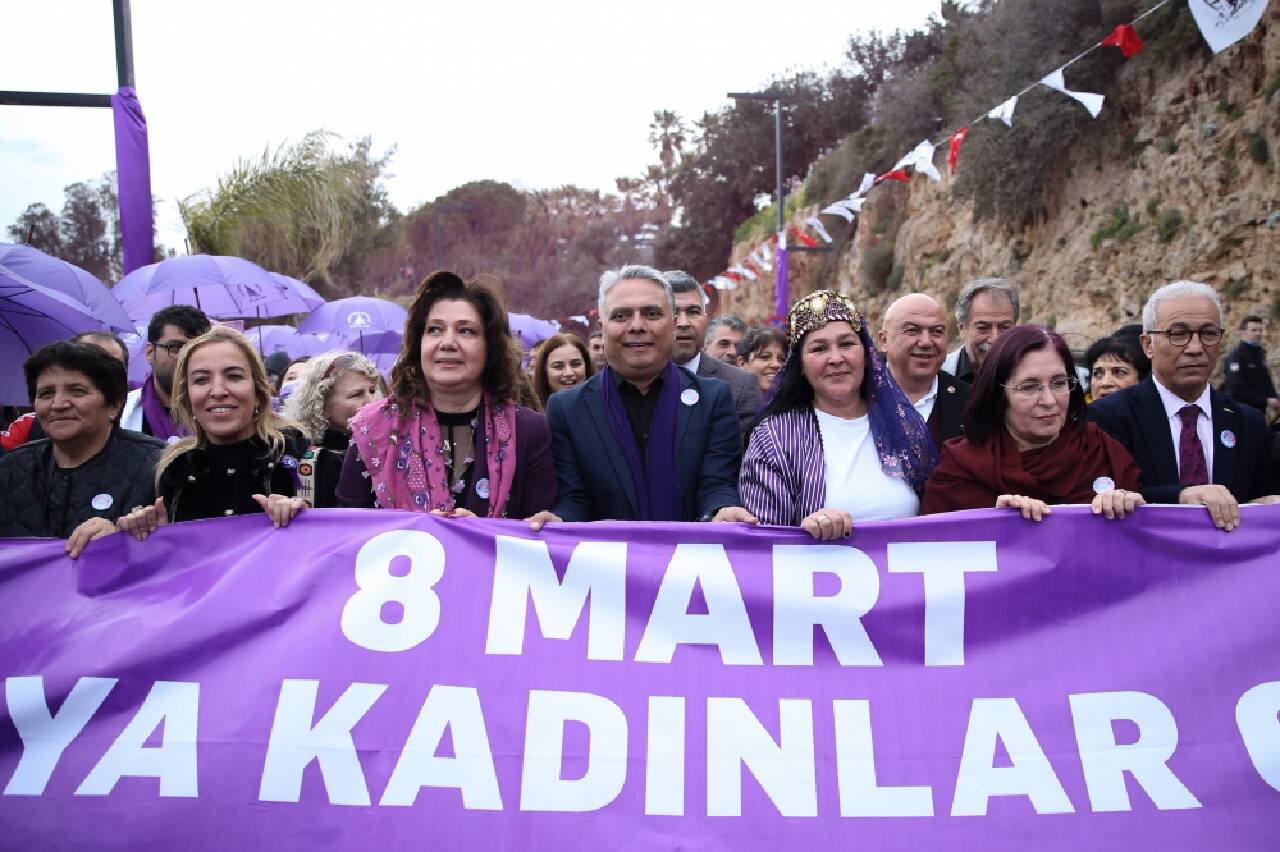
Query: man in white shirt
{"points": [[913, 338], [1194, 445]]}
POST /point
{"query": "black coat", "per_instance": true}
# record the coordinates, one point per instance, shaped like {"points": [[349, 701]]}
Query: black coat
{"points": [[37, 498], [1135, 417], [214, 481], [946, 421], [1248, 379]]}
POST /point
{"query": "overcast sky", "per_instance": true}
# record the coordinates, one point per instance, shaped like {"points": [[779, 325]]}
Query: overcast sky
{"points": [[537, 94]]}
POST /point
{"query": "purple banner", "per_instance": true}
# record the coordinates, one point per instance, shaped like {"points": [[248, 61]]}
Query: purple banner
{"points": [[133, 177], [782, 288], [392, 681]]}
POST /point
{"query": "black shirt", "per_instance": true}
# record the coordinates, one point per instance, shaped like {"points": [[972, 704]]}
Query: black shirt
{"points": [[964, 367], [640, 407]]}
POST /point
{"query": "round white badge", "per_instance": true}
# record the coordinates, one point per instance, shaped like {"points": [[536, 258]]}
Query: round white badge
{"points": [[1228, 438], [1103, 484], [102, 502], [482, 488], [173, 439], [689, 396]]}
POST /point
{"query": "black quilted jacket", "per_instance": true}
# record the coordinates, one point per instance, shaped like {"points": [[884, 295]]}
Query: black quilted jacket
{"points": [[37, 498], [219, 480]]}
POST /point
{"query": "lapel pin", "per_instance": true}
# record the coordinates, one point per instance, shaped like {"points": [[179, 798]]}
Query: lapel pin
{"points": [[689, 396], [1228, 438], [951, 388], [1103, 484]]}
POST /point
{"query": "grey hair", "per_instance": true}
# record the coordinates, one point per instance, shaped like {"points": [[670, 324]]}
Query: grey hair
{"points": [[732, 320], [978, 286], [683, 282], [306, 404], [633, 272], [1173, 291]]}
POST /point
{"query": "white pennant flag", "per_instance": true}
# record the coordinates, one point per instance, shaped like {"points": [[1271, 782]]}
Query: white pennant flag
{"points": [[921, 159], [816, 223], [1089, 100], [868, 181], [766, 252], [744, 272], [1004, 112], [839, 210], [727, 283], [760, 259], [578, 318], [1224, 24], [853, 202]]}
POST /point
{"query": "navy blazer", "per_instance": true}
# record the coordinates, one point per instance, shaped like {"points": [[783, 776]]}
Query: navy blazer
{"points": [[594, 481], [1135, 417]]}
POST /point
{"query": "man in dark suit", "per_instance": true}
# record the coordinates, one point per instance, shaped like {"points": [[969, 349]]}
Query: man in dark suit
{"points": [[691, 328], [913, 338], [1194, 445], [643, 439]]}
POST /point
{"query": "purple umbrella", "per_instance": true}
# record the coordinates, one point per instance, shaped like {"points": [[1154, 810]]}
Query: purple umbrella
{"points": [[30, 317], [220, 286], [56, 274], [301, 289], [287, 339], [356, 317], [139, 368], [530, 329]]}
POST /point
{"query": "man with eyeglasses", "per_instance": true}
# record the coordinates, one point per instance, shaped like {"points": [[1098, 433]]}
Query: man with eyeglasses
{"points": [[147, 408], [1194, 445], [691, 328]]}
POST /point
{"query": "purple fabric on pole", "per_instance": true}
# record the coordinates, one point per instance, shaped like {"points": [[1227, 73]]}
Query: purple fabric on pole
{"points": [[368, 680], [133, 175], [782, 290]]}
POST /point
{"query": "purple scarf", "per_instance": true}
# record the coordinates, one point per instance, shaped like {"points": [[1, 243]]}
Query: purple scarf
{"points": [[156, 413], [656, 483]]}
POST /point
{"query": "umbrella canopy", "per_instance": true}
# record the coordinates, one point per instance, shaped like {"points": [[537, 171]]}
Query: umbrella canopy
{"points": [[56, 274], [222, 287], [301, 289], [531, 329], [355, 316], [136, 343], [30, 317], [287, 339]]}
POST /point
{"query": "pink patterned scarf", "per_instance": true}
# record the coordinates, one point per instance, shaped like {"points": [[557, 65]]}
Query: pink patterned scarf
{"points": [[404, 455]]}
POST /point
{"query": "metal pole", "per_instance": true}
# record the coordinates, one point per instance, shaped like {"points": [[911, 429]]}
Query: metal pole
{"points": [[124, 44], [778, 155]]}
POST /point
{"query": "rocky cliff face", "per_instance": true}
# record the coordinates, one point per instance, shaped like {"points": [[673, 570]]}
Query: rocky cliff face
{"points": [[1190, 192]]}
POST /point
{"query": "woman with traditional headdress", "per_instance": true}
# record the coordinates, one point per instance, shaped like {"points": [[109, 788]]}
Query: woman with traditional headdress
{"points": [[839, 442]]}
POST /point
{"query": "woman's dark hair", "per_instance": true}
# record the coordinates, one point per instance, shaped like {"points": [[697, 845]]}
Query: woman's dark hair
{"points": [[104, 372], [501, 375], [792, 390], [984, 414], [1124, 348], [541, 384], [759, 339]]}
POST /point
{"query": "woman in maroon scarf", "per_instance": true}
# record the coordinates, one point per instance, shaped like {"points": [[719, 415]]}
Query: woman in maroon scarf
{"points": [[1027, 444]]}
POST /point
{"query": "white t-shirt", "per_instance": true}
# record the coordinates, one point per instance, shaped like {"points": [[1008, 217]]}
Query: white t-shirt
{"points": [[855, 481]]}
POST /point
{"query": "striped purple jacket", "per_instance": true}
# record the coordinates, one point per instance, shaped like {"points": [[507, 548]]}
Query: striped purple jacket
{"points": [[783, 476]]}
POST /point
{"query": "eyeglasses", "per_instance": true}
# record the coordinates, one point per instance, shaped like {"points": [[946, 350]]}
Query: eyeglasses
{"points": [[1032, 390], [173, 347], [1180, 335]]}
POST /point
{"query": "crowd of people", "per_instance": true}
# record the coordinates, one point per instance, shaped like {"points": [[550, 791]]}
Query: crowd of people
{"points": [[663, 413]]}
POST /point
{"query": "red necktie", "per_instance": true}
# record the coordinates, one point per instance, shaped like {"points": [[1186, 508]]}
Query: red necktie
{"points": [[1192, 469]]}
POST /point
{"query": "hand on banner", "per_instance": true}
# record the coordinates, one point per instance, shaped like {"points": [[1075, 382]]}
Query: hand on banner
{"points": [[828, 524], [280, 508], [1220, 502], [1031, 508], [1269, 500], [454, 513], [734, 515], [87, 532], [1117, 503], [544, 517], [144, 520]]}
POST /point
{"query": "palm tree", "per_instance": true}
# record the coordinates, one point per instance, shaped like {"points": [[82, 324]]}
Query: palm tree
{"points": [[667, 133], [293, 210]]}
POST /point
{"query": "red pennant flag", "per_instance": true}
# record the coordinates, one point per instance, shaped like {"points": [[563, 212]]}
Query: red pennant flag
{"points": [[1126, 38], [800, 235], [729, 273], [957, 139], [896, 174], [748, 262]]}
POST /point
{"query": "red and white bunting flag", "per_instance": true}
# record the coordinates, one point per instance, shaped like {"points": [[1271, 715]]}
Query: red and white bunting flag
{"points": [[760, 259], [953, 151], [1224, 23], [921, 160], [1126, 38], [805, 239], [765, 251], [854, 202], [1004, 112], [580, 319], [742, 270], [1089, 100], [816, 223], [751, 264], [838, 209], [732, 275], [895, 174], [868, 181]]}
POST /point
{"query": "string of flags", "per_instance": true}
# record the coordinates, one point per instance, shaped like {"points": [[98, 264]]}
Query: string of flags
{"points": [[1221, 27]]}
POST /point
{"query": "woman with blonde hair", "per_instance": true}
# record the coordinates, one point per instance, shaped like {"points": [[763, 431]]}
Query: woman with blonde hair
{"points": [[330, 391], [562, 363], [242, 457], [452, 438]]}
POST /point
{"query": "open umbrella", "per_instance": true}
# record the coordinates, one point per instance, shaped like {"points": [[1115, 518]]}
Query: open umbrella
{"points": [[301, 289], [530, 329], [287, 339], [220, 286], [56, 274], [30, 317], [354, 318]]}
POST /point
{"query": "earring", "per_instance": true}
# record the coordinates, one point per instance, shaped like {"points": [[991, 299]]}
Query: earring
{"points": [[256, 411]]}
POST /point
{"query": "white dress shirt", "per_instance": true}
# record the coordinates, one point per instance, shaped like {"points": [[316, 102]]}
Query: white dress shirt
{"points": [[925, 404], [692, 364], [1204, 423]]}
